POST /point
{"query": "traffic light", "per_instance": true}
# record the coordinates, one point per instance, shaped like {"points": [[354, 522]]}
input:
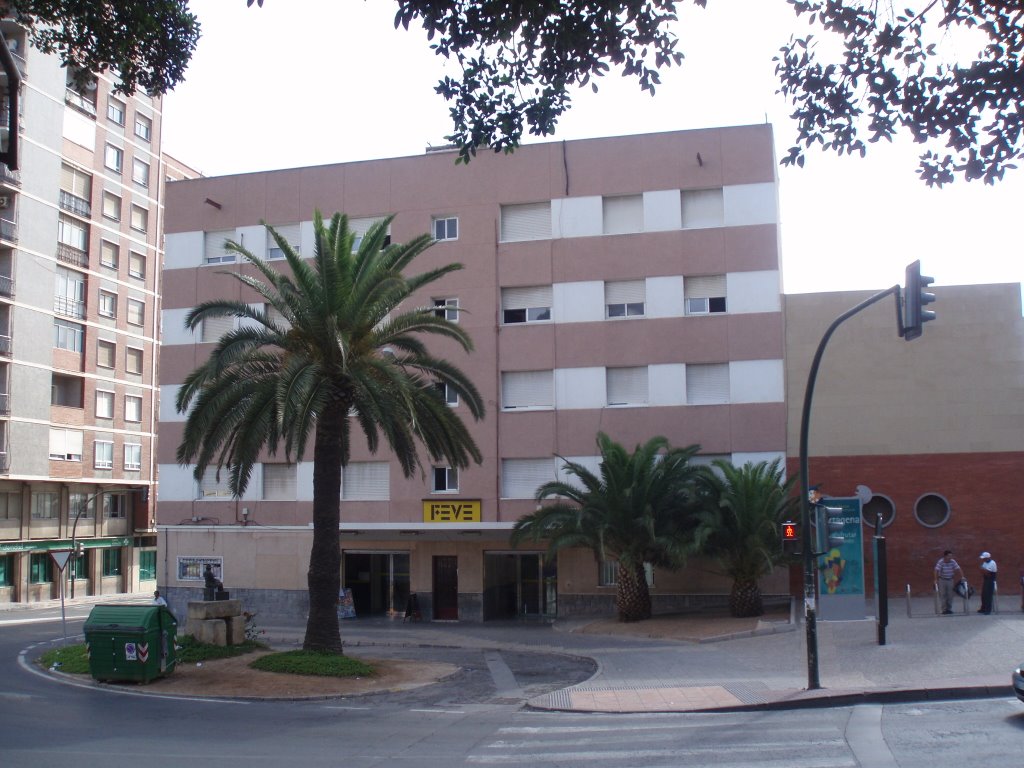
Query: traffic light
{"points": [[833, 525], [790, 537], [914, 300]]}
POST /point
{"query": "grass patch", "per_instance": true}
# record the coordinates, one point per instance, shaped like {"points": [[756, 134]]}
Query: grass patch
{"points": [[72, 659], [316, 663], [191, 650]]}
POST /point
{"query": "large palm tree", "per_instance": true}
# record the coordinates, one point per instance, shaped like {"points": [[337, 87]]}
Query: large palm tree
{"points": [[739, 526], [641, 509], [347, 354]]}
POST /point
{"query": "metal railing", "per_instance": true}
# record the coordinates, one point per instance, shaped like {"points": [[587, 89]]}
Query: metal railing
{"points": [[75, 204], [71, 255], [6, 286], [9, 177], [74, 99], [9, 230], [68, 307]]}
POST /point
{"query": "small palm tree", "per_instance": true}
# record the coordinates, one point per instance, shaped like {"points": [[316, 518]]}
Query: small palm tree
{"points": [[345, 355], [739, 526], [641, 509]]}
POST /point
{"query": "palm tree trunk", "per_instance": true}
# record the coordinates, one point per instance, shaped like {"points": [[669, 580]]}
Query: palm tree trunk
{"points": [[632, 597], [745, 598], [324, 577]]}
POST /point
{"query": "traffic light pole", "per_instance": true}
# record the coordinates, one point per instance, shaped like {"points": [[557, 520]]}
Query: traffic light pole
{"points": [[810, 570]]}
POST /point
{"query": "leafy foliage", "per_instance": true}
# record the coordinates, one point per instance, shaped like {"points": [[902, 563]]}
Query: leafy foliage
{"points": [[739, 526], [147, 43], [641, 509], [191, 650], [345, 354], [315, 663], [71, 659]]}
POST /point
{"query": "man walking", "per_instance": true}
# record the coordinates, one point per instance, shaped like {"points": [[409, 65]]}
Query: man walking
{"points": [[944, 570], [988, 584]]}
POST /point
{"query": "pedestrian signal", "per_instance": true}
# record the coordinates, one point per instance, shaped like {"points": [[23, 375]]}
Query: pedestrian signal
{"points": [[789, 532]]}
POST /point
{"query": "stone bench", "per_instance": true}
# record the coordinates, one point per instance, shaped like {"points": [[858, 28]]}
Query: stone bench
{"points": [[216, 622]]}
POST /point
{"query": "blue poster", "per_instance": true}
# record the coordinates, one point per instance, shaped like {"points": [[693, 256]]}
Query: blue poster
{"points": [[841, 566]]}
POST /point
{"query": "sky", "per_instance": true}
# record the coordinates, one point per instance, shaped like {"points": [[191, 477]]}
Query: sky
{"points": [[311, 82]]}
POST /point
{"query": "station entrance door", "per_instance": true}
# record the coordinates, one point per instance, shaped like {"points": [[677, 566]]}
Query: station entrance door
{"points": [[519, 584]]}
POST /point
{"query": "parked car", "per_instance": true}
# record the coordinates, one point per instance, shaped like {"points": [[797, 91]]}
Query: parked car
{"points": [[1018, 682]]}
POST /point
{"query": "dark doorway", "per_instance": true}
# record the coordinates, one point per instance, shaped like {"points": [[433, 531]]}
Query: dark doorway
{"points": [[446, 587], [518, 585], [379, 582]]}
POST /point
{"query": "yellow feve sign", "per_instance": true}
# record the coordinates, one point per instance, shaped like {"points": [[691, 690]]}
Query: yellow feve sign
{"points": [[455, 511]]}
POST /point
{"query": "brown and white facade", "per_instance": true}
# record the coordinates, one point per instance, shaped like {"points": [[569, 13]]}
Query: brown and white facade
{"points": [[627, 285], [80, 225]]}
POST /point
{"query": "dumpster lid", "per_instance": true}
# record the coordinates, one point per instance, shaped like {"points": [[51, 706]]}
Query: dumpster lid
{"points": [[127, 617]]}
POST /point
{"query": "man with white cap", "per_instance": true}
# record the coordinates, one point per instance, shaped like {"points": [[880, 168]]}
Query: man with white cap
{"points": [[988, 585]]}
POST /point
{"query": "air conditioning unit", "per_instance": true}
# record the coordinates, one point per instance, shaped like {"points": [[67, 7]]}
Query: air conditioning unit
{"points": [[5, 202]]}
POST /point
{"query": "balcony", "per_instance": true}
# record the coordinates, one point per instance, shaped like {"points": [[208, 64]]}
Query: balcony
{"points": [[5, 345], [8, 177], [5, 463], [7, 286], [5, 404], [76, 257], [75, 204], [63, 305], [74, 99], [8, 230]]}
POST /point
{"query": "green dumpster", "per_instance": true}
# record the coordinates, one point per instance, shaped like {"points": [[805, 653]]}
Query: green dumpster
{"points": [[130, 642]]}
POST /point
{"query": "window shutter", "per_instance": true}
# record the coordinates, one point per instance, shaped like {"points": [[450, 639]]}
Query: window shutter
{"points": [[365, 481], [73, 440], [529, 221], [211, 487], [707, 384], [291, 234], [279, 482], [623, 214], [627, 386], [704, 287], [525, 389], [214, 246], [58, 442], [524, 298], [625, 292], [215, 327], [520, 478], [703, 208], [276, 317]]}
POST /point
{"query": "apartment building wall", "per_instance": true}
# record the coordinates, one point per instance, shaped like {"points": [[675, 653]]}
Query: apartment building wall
{"points": [[932, 427], [80, 253], [628, 285]]}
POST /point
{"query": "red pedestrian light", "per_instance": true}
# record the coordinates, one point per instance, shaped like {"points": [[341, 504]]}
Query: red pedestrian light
{"points": [[789, 532]]}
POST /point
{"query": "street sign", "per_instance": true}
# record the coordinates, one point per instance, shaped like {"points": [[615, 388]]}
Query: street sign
{"points": [[60, 557]]}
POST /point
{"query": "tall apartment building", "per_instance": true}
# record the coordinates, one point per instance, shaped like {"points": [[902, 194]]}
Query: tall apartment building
{"points": [[80, 227], [628, 285]]}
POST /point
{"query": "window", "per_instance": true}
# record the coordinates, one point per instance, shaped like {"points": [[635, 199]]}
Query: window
{"points": [[625, 298], [111, 206], [77, 567], [520, 478], [115, 506], [106, 352], [6, 570], [111, 562], [10, 506], [703, 208], [290, 233], [137, 265], [360, 227], [113, 158], [527, 221], [140, 172], [103, 454], [133, 360], [279, 482], [608, 573], [213, 328], [212, 487], [627, 386], [45, 506], [39, 568], [140, 218], [446, 479], [143, 127], [81, 507], [69, 292], [527, 389], [108, 304], [213, 247], [136, 312], [67, 335], [448, 393], [109, 253], [447, 308], [76, 189], [526, 305], [116, 110], [446, 228], [133, 456], [932, 510], [707, 384], [623, 214], [366, 481], [67, 390], [104, 404], [147, 565], [72, 232], [704, 295], [132, 408], [65, 445]]}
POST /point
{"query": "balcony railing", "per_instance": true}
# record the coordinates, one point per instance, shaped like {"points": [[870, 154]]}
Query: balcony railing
{"points": [[5, 462], [78, 101], [62, 305], [8, 230], [9, 177], [7, 286], [77, 205], [71, 255], [5, 404], [5, 345]]}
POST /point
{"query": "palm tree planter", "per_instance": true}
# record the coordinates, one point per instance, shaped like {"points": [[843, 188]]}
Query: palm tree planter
{"points": [[641, 509], [740, 526], [347, 354]]}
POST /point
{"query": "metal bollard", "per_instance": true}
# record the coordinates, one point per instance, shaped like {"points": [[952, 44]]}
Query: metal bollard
{"points": [[938, 610], [995, 597], [909, 613], [967, 597]]}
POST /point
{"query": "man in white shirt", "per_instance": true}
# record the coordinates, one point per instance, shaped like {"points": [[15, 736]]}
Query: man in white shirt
{"points": [[988, 585], [158, 599]]}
